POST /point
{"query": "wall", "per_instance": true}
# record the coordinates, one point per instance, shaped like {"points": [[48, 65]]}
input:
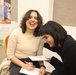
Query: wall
{"points": [[41, 5], [65, 12], [14, 10], [62, 11], [71, 30]]}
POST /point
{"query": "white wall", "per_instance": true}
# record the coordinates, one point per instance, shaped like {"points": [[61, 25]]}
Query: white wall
{"points": [[43, 6], [71, 30]]}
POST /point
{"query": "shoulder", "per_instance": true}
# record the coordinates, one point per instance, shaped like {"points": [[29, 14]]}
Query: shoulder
{"points": [[40, 39], [69, 47], [69, 40], [69, 43], [16, 32]]}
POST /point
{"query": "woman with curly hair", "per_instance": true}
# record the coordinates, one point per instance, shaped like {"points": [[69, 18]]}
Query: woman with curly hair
{"points": [[24, 42]]}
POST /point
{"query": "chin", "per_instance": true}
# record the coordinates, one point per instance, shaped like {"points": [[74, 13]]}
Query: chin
{"points": [[33, 28], [51, 46]]}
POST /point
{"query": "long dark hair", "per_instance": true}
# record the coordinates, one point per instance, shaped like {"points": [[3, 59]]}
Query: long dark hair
{"points": [[55, 30], [26, 17]]}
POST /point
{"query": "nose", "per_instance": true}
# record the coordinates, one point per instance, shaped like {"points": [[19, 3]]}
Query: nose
{"points": [[32, 19]]}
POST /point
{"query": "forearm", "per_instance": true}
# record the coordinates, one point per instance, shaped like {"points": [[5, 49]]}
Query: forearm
{"points": [[17, 61], [56, 63], [28, 65]]}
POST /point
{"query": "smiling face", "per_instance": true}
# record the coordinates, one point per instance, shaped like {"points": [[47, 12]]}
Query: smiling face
{"points": [[49, 39], [32, 22]]}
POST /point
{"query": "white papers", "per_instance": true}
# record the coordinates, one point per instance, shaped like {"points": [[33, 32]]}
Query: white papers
{"points": [[37, 58], [32, 72]]}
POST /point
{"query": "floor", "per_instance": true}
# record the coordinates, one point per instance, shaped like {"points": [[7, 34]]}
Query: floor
{"points": [[2, 53]]}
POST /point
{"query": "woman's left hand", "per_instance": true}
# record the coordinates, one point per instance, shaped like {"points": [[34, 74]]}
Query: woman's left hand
{"points": [[42, 70]]}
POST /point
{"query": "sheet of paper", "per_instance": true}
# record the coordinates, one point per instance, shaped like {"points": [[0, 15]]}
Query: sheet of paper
{"points": [[32, 72], [37, 58]]}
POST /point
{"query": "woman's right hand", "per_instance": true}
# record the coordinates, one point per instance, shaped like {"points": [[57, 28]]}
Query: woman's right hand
{"points": [[29, 66], [25, 65]]}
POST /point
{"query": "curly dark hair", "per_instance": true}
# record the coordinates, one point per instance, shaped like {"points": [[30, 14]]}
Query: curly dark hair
{"points": [[26, 17]]}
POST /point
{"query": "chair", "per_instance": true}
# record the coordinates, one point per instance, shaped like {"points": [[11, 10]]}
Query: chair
{"points": [[6, 37], [4, 67]]}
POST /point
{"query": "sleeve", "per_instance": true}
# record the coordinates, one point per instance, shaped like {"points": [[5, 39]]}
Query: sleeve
{"points": [[40, 47], [12, 42], [69, 60], [56, 63]]}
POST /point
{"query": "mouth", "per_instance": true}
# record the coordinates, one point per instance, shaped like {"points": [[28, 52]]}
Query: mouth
{"points": [[32, 23]]}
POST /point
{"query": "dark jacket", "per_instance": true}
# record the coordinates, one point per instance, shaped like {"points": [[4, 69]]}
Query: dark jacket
{"points": [[68, 55]]}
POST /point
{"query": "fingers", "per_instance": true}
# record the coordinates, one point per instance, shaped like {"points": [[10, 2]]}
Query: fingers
{"points": [[48, 59], [30, 65], [42, 71]]}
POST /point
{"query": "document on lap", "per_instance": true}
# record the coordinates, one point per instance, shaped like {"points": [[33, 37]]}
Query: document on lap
{"points": [[36, 70], [32, 72], [37, 58]]}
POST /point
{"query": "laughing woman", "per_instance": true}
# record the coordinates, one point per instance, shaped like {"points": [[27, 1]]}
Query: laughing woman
{"points": [[24, 42], [57, 40]]}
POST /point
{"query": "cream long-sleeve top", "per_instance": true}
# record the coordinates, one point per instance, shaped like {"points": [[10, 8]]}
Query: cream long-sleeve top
{"points": [[23, 45]]}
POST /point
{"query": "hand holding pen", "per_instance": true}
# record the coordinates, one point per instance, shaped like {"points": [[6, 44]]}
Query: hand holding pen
{"points": [[29, 65]]}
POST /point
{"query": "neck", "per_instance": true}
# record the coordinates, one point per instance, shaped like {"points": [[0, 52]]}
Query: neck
{"points": [[29, 31]]}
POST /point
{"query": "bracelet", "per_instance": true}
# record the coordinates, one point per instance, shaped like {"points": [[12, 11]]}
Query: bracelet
{"points": [[43, 66]]}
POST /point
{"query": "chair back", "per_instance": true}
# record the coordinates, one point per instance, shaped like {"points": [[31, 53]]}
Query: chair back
{"points": [[6, 37]]}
